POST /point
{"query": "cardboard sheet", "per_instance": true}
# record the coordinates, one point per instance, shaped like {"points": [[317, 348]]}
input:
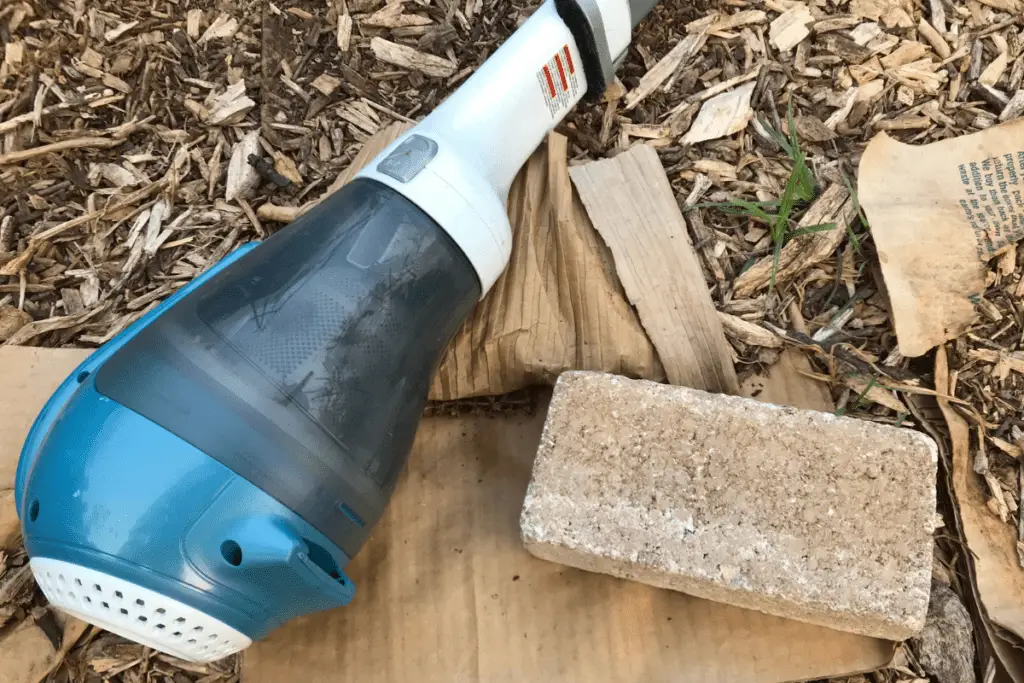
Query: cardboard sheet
{"points": [[937, 213], [786, 384], [27, 378], [446, 592]]}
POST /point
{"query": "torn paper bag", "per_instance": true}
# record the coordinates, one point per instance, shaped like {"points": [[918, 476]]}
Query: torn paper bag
{"points": [[937, 213], [559, 304]]}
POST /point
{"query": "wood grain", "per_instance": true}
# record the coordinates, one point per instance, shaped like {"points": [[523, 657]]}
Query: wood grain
{"points": [[632, 205]]}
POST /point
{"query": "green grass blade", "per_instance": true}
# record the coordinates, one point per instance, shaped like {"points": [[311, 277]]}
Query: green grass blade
{"points": [[732, 205], [860, 397], [854, 240], [780, 139], [755, 211], [776, 257], [810, 230]]}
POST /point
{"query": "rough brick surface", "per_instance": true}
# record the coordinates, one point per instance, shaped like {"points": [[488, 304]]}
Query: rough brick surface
{"points": [[796, 513]]}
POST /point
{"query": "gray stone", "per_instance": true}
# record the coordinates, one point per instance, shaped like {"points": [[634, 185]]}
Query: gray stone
{"points": [[796, 513], [945, 648]]}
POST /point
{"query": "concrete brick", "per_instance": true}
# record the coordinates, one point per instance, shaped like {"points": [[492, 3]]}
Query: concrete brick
{"points": [[796, 513]]}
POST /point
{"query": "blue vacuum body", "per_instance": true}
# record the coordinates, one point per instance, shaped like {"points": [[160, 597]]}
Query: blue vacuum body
{"points": [[207, 475]]}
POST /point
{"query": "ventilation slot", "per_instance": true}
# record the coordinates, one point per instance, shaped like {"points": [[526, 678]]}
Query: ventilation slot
{"points": [[135, 612]]}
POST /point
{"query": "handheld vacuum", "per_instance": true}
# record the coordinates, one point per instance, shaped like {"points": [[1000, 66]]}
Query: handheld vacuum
{"points": [[205, 476]]}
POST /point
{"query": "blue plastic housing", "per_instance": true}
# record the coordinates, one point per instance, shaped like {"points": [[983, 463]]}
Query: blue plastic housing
{"points": [[82, 498], [233, 448]]}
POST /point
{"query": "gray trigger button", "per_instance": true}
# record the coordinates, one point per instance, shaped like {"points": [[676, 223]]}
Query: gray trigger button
{"points": [[408, 159]]}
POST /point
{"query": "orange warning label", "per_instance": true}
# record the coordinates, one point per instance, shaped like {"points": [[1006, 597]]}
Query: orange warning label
{"points": [[559, 82]]}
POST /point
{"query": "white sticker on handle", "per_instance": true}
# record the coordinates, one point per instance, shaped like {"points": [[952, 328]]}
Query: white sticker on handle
{"points": [[559, 82]]}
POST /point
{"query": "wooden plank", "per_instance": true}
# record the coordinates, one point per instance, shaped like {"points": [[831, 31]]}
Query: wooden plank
{"points": [[632, 205]]}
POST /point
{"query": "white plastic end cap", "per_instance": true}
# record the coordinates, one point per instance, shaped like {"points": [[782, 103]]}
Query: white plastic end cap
{"points": [[136, 613]]}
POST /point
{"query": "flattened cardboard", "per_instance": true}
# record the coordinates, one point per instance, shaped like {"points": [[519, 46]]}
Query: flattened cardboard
{"points": [[27, 378], [999, 579], [446, 592], [785, 384]]}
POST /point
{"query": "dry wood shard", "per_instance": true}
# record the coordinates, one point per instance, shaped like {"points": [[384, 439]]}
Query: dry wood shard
{"points": [[632, 205], [409, 58], [682, 52], [722, 115], [791, 27], [748, 332], [242, 178]]}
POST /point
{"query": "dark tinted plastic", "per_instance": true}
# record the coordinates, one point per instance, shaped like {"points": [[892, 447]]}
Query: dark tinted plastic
{"points": [[304, 366]]}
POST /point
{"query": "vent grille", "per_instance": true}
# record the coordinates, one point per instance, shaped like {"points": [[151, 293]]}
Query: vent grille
{"points": [[137, 613]]}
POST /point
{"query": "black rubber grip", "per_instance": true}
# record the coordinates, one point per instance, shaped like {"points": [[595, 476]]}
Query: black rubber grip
{"points": [[576, 21]]}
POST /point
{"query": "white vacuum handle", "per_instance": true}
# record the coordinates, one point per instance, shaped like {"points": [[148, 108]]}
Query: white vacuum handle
{"points": [[459, 162]]}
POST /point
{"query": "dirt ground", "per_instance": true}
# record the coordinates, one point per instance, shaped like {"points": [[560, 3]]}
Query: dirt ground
{"points": [[140, 142]]}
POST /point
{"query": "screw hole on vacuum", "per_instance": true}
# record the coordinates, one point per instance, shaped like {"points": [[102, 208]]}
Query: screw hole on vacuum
{"points": [[82, 376], [231, 552]]}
